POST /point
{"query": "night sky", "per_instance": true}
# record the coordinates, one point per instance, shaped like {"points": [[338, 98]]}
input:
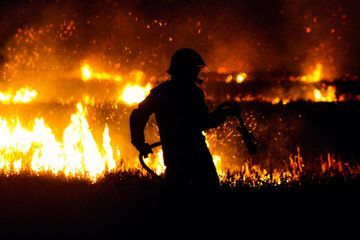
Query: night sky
{"points": [[251, 35]]}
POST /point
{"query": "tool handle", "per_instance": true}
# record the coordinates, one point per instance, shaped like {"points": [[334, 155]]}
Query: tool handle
{"points": [[148, 169], [249, 139], [154, 145]]}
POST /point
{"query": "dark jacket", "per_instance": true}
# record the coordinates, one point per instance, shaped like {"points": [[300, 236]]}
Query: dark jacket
{"points": [[181, 115]]}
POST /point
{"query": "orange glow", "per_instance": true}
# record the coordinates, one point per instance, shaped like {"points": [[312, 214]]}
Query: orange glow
{"points": [[78, 154], [23, 95], [241, 77], [255, 174], [87, 74], [37, 150], [228, 78], [277, 100], [134, 94], [221, 70], [325, 95], [315, 75], [156, 162], [79, 150], [88, 100]]}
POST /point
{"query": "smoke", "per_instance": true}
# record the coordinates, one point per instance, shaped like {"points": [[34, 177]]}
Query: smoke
{"points": [[288, 36]]}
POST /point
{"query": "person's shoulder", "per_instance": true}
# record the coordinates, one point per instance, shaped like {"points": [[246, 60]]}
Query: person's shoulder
{"points": [[164, 86]]}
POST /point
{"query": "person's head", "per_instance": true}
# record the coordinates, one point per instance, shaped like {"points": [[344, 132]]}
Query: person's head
{"points": [[186, 64]]}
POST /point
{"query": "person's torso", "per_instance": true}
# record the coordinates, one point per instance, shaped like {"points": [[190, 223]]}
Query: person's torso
{"points": [[178, 115]]}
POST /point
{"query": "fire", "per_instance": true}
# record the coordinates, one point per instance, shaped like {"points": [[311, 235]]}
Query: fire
{"points": [[240, 77], [217, 163], [23, 95], [325, 95], [133, 90], [37, 151], [293, 170], [156, 162], [134, 94], [87, 74], [315, 76], [252, 174], [228, 78], [278, 100], [312, 93], [256, 175], [34, 55], [88, 100]]}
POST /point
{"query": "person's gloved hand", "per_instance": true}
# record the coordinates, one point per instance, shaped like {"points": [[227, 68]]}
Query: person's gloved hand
{"points": [[228, 109], [145, 150]]}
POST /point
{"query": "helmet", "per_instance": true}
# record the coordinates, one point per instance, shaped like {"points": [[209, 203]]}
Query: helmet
{"points": [[185, 59]]}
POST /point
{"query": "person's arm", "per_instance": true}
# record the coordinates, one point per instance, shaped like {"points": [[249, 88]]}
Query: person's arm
{"points": [[213, 119], [219, 115], [138, 119]]}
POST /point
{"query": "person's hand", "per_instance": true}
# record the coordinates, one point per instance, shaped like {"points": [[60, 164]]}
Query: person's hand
{"points": [[145, 150], [228, 109]]}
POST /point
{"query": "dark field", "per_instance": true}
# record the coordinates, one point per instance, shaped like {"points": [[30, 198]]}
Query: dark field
{"points": [[127, 206], [318, 128]]}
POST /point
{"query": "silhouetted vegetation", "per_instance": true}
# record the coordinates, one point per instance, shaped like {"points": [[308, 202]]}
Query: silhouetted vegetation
{"points": [[131, 205]]}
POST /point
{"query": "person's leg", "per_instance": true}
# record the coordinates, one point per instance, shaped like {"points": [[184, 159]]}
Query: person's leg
{"points": [[204, 176], [177, 179]]}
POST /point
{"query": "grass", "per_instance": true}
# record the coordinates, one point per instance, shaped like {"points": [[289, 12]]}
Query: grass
{"points": [[129, 205]]}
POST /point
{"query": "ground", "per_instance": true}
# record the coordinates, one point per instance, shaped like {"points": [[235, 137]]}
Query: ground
{"points": [[127, 206]]}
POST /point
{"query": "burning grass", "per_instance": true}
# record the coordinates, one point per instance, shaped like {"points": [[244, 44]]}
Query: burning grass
{"points": [[95, 144], [83, 133]]}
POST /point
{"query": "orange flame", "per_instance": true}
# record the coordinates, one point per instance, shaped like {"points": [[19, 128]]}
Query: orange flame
{"points": [[325, 95], [23, 95], [315, 75], [38, 151], [241, 77], [87, 74], [134, 94]]}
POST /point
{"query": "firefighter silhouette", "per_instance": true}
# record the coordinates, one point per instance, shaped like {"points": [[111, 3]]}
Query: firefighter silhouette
{"points": [[181, 115]]}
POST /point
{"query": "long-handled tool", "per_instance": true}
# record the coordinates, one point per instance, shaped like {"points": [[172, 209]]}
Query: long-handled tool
{"points": [[250, 141], [143, 164]]}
